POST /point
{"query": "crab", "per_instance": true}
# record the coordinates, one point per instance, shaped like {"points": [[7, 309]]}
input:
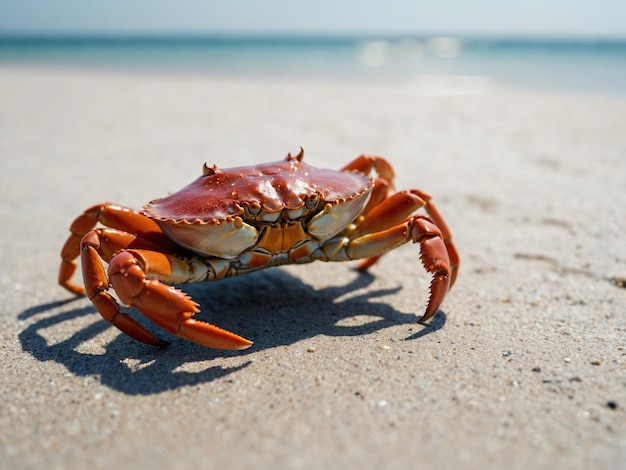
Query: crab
{"points": [[239, 220]]}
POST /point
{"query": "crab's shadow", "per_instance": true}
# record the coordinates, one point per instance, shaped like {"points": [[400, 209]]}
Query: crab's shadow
{"points": [[272, 308]]}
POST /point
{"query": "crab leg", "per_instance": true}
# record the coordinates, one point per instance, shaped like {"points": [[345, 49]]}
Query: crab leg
{"points": [[386, 214], [436, 217], [169, 308], [110, 215], [419, 229], [381, 190], [367, 163], [394, 210]]}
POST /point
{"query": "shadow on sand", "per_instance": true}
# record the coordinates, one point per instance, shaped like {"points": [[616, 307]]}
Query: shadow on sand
{"points": [[272, 308]]}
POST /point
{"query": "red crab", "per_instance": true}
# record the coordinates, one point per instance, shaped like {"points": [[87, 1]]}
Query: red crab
{"points": [[238, 220]]}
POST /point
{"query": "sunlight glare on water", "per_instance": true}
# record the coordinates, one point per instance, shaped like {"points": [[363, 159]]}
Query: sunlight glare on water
{"points": [[380, 52]]}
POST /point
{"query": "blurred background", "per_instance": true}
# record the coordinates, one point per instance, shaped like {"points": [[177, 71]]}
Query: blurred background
{"points": [[443, 47]]}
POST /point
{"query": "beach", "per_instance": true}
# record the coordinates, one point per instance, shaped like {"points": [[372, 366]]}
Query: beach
{"points": [[524, 366]]}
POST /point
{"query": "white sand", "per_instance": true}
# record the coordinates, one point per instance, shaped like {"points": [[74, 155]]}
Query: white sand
{"points": [[521, 368]]}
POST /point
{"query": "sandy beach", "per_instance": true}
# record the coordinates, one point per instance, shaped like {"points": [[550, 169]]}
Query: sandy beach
{"points": [[524, 366]]}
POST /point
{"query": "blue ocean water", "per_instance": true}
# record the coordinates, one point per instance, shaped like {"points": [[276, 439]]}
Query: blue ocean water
{"points": [[566, 65]]}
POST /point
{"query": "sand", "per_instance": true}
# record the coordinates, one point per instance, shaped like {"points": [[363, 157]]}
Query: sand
{"points": [[524, 366]]}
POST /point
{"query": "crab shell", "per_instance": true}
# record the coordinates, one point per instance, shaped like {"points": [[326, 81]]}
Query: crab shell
{"points": [[222, 212]]}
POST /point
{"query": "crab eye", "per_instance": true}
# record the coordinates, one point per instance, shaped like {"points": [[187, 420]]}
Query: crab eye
{"points": [[254, 208], [208, 171], [310, 200]]}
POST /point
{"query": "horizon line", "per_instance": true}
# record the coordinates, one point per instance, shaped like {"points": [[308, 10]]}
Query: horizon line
{"points": [[292, 36]]}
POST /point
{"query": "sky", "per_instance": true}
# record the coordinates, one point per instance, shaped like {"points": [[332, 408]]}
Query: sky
{"points": [[557, 18]]}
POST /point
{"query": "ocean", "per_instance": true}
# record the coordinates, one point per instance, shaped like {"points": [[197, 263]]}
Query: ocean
{"points": [[431, 65]]}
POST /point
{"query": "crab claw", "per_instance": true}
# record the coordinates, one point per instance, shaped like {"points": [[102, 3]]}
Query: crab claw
{"points": [[435, 260], [166, 306]]}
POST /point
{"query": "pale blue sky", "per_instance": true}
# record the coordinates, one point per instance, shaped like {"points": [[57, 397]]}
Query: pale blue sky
{"points": [[493, 17]]}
